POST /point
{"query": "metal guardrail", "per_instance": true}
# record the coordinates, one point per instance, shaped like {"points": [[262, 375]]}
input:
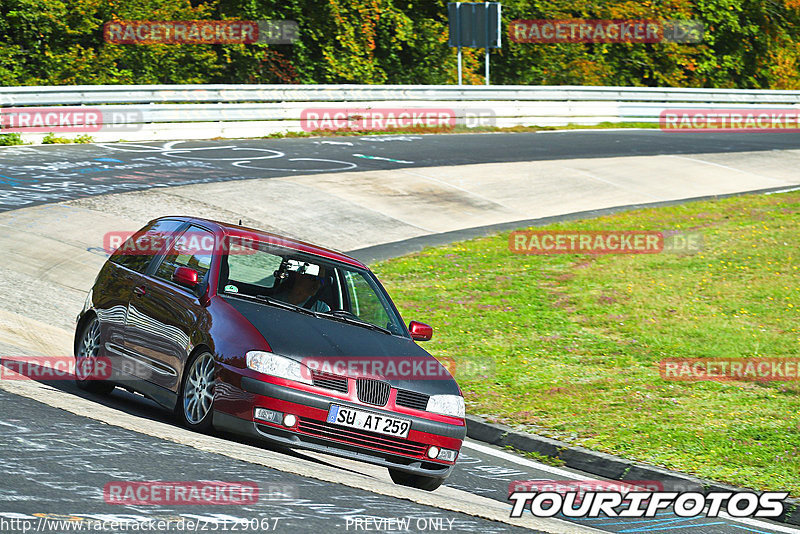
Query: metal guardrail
{"points": [[273, 108], [140, 94]]}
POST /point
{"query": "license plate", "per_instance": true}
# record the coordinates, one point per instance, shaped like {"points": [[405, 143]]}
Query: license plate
{"points": [[340, 415]]}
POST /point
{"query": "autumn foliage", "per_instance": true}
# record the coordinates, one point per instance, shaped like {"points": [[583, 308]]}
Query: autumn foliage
{"points": [[747, 44]]}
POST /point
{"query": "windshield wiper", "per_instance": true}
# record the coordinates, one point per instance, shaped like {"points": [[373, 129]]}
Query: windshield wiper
{"points": [[349, 318], [285, 305], [274, 302]]}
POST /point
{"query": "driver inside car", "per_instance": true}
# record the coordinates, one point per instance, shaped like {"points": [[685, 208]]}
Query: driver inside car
{"points": [[302, 289]]}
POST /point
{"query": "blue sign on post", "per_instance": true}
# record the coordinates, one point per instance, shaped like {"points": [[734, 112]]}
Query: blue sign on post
{"points": [[476, 25]]}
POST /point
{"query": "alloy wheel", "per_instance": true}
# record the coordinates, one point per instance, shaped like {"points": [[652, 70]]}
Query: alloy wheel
{"points": [[87, 351], [198, 390]]}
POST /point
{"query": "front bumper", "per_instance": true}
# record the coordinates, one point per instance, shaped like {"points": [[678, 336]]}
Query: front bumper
{"points": [[314, 433]]}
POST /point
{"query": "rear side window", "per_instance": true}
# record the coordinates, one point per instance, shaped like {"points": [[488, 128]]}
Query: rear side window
{"points": [[194, 252], [137, 251]]}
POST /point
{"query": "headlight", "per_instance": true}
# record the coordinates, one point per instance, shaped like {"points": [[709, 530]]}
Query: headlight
{"points": [[272, 364], [447, 405]]}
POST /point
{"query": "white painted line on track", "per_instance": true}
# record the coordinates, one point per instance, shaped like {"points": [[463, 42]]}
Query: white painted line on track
{"points": [[596, 130], [783, 191], [521, 461]]}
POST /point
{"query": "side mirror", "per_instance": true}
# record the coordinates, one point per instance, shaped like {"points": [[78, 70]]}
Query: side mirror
{"points": [[420, 331], [186, 277]]}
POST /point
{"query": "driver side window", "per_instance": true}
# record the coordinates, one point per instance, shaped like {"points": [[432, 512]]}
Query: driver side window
{"points": [[190, 250], [140, 248]]}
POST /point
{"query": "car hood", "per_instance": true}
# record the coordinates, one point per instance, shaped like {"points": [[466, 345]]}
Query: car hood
{"points": [[300, 336]]}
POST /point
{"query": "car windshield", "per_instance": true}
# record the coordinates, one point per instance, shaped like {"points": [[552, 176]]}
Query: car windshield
{"points": [[329, 289]]}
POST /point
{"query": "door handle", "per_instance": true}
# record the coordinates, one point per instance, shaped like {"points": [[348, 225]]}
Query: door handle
{"points": [[139, 291]]}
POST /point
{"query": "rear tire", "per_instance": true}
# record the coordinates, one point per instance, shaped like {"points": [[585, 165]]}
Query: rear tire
{"points": [[85, 356], [415, 481], [196, 403]]}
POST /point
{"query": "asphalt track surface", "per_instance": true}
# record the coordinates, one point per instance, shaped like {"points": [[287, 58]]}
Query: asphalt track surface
{"points": [[36, 175], [57, 463]]}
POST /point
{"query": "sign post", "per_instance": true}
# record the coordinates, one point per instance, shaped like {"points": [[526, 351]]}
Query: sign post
{"points": [[476, 25], [459, 65]]}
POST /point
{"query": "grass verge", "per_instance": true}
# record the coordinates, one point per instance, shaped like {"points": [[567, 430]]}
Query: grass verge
{"points": [[568, 346], [459, 129], [541, 458], [11, 139], [53, 139]]}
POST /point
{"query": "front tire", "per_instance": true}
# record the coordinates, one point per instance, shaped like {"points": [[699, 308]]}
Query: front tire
{"points": [[196, 404], [86, 360], [415, 481]]}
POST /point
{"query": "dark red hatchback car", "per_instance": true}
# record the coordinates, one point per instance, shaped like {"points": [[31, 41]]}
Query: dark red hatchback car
{"points": [[281, 340]]}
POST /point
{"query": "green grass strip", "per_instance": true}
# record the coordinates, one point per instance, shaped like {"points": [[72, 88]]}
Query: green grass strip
{"points": [[569, 345]]}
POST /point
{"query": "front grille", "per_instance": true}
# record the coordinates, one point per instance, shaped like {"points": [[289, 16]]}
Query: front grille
{"points": [[329, 381], [361, 438], [375, 392], [412, 399]]}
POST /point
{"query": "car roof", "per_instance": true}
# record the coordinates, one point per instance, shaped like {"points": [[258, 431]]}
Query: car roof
{"points": [[261, 236]]}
